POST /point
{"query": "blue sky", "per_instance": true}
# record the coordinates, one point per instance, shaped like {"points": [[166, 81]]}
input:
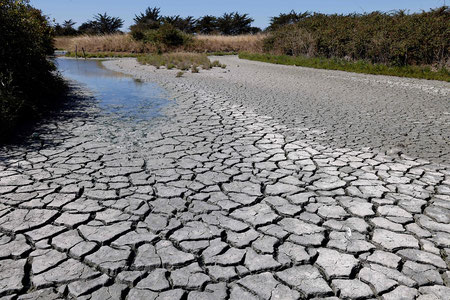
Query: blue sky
{"points": [[260, 10]]}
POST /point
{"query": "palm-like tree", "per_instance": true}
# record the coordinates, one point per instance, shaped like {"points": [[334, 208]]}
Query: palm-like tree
{"points": [[234, 23], [206, 24], [150, 19], [102, 24], [107, 24]]}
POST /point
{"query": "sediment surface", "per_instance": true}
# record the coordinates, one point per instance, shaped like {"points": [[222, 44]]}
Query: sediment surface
{"points": [[342, 109], [221, 201]]}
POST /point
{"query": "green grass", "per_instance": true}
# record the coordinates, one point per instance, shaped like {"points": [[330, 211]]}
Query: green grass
{"points": [[356, 67], [222, 53], [102, 54], [180, 60]]}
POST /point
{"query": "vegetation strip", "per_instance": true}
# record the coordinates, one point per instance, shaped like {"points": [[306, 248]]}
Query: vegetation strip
{"points": [[100, 54], [350, 66], [29, 87], [181, 61]]}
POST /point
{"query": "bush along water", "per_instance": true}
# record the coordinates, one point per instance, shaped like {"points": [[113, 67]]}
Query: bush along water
{"points": [[397, 38], [28, 82]]}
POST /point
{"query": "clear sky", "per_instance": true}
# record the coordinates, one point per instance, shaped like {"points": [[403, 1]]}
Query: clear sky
{"points": [[261, 10]]}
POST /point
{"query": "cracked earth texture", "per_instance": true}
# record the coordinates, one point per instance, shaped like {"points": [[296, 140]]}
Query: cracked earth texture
{"points": [[342, 109], [214, 201]]}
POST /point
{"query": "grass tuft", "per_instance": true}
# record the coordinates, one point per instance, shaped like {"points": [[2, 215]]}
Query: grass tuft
{"points": [[221, 53], [194, 69], [101, 54], [349, 66], [179, 60]]}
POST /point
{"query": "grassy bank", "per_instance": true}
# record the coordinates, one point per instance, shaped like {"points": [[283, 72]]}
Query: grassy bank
{"points": [[179, 60], [80, 54], [349, 66], [102, 43], [124, 43]]}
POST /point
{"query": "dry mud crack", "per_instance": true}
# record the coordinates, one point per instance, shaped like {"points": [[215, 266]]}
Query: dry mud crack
{"points": [[215, 202]]}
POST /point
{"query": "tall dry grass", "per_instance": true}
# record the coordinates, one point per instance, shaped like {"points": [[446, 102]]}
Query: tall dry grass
{"points": [[125, 43], [227, 43], [102, 43]]}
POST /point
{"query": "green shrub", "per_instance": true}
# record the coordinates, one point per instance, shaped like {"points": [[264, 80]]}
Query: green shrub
{"points": [[166, 37], [179, 60], [390, 38], [28, 84]]}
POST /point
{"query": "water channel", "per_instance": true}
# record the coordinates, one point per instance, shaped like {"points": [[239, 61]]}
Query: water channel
{"points": [[116, 93]]}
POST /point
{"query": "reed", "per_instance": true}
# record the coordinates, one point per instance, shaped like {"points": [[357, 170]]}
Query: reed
{"points": [[103, 43], [125, 43]]}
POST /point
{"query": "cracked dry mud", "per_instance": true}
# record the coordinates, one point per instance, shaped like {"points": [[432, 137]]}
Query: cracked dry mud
{"points": [[214, 201]]}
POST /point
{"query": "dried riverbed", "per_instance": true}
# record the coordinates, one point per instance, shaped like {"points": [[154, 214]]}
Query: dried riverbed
{"points": [[214, 198]]}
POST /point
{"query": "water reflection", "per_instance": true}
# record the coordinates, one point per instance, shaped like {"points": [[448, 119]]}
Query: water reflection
{"points": [[116, 92]]}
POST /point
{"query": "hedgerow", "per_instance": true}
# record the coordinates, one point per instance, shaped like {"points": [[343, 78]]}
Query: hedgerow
{"points": [[28, 82]]}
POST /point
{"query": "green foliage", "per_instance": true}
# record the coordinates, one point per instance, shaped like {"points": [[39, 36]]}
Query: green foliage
{"points": [[150, 19], [179, 60], [221, 53], [291, 40], [391, 38], [349, 66], [101, 24], [285, 19], [228, 24], [101, 54], [206, 25], [66, 29], [186, 25], [166, 36], [28, 85], [234, 24]]}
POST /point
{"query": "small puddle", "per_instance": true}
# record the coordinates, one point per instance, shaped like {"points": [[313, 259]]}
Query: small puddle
{"points": [[116, 93]]}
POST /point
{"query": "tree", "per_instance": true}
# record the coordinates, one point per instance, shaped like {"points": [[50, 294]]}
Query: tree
{"points": [[28, 85], [206, 25], [102, 24], [228, 24], [150, 19], [285, 19], [66, 28], [234, 23], [107, 24], [184, 24]]}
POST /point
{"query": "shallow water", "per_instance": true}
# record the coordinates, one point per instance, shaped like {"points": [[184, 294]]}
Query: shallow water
{"points": [[115, 92]]}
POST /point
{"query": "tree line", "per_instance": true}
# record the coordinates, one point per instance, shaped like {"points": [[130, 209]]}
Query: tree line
{"points": [[232, 23], [393, 38]]}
